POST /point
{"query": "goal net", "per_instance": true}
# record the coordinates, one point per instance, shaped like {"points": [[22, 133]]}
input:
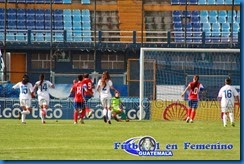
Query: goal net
{"points": [[165, 72]]}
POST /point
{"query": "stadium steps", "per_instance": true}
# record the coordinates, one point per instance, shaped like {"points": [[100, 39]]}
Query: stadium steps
{"points": [[130, 16]]}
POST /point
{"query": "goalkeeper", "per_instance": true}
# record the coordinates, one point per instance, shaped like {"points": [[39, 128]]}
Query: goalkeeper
{"points": [[116, 107]]}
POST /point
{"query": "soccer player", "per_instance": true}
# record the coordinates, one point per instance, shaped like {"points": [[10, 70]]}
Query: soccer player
{"points": [[78, 100], [87, 92], [227, 95], [116, 106], [42, 86], [103, 87], [25, 96], [194, 88]]}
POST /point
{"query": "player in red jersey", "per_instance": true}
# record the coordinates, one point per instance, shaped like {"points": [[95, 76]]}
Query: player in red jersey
{"points": [[193, 98], [87, 91], [78, 100]]}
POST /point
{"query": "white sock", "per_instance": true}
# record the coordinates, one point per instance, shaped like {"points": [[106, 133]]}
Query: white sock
{"points": [[109, 114], [23, 117], [231, 115], [104, 111], [225, 119]]}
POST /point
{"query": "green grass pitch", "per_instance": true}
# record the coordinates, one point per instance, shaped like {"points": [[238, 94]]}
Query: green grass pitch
{"points": [[95, 140]]}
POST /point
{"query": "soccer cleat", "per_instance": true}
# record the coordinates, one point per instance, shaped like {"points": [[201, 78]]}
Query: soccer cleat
{"points": [[43, 122], [191, 121], [104, 119], [233, 124], [82, 121], [109, 121], [187, 119], [90, 114], [19, 115], [75, 122], [225, 125]]}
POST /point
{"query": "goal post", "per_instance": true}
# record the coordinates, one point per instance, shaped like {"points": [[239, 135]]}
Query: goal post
{"points": [[175, 67]]}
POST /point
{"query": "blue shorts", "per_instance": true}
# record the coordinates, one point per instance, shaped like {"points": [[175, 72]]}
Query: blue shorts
{"points": [[87, 98], [193, 103], [79, 105]]}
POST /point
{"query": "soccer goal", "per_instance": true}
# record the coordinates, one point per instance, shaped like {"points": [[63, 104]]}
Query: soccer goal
{"points": [[165, 72]]}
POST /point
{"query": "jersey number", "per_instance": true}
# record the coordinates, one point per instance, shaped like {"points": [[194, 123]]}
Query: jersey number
{"points": [[44, 87], [24, 89], [228, 93]]}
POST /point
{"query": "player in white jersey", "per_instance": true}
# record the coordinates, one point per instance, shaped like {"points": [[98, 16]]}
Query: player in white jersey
{"points": [[42, 87], [25, 96], [103, 87], [227, 95]]}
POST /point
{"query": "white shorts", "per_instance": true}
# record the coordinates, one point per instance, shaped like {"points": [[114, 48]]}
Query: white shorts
{"points": [[25, 102], [106, 102], [43, 100], [227, 109]]}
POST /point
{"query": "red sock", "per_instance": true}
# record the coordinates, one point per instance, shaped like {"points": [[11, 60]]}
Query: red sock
{"points": [[83, 113], [193, 113], [222, 115], [188, 112], [87, 110], [75, 116]]}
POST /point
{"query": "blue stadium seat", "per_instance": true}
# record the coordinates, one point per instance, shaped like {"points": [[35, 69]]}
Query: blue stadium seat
{"points": [[87, 36], [182, 2], [85, 12], [86, 25], [20, 12], [211, 2], [39, 37], [225, 32], [12, 1], [30, 25], [195, 13], [178, 26], [222, 19], [67, 12], [47, 37], [76, 12], [206, 27], [58, 37], [177, 13], [1, 24], [11, 24], [203, 13], [220, 2], [47, 17], [67, 1], [175, 2], [186, 13], [77, 26], [40, 12], [20, 1], [1, 35], [30, 1], [69, 36], [203, 19], [85, 2], [30, 17], [57, 18], [47, 25], [212, 19], [58, 12], [222, 13], [195, 19], [2, 16], [10, 36], [30, 12], [58, 26], [40, 25], [77, 36], [21, 24], [77, 18], [193, 2], [213, 13], [40, 17], [228, 2], [202, 2], [11, 17], [86, 18], [20, 36], [68, 25], [237, 2], [189, 26], [196, 27], [176, 19], [58, 1], [67, 18], [40, 1]]}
